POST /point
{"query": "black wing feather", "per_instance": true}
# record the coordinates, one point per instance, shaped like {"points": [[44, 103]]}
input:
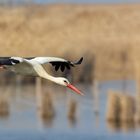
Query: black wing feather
{"points": [[62, 67], [8, 61], [57, 67], [78, 62], [67, 64]]}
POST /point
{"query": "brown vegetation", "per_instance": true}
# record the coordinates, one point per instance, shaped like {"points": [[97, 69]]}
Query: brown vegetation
{"points": [[73, 31]]}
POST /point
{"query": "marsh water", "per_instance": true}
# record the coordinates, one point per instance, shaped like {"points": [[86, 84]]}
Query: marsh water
{"points": [[22, 120]]}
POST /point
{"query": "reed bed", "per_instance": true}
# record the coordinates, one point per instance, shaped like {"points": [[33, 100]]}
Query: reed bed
{"points": [[92, 31]]}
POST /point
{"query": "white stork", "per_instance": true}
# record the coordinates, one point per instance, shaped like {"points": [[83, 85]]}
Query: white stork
{"points": [[34, 66]]}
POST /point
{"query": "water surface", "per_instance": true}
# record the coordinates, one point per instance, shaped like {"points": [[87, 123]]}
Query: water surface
{"points": [[24, 122]]}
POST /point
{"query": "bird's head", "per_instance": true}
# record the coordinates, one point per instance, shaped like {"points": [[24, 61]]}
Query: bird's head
{"points": [[64, 82]]}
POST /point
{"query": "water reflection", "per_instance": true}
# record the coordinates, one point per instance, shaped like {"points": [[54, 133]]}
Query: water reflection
{"points": [[47, 122], [46, 110], [4, 103], [72, 121], [121, 126], [45, 106], [97, 119], [72, 112]]}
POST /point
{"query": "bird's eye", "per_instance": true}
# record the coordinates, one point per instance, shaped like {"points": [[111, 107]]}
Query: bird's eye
{"points": [[65, 81]]}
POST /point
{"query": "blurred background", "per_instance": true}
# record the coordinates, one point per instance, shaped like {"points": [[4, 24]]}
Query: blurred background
{"points": [[107, 34]]}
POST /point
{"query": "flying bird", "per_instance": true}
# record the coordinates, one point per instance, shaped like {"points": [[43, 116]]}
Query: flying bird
{"points": [[33, 66]]}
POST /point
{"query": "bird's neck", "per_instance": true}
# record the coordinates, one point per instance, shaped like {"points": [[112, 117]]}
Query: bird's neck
{"points": [[49, 77], [57, 80], [42, 73]]}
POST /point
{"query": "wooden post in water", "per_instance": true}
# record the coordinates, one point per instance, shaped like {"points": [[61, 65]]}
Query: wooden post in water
{"points": [[4, 106], [136, 65], [72, 110], [120, 109], [96, 97], [137, 73], [127, 110], [95, 88], [124, 61], [38, 86], [113, 107], [18, 86], [44, 103], [72, 103]]}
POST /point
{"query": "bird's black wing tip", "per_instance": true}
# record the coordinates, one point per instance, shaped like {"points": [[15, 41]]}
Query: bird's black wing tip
{"points": [[79, 62]]}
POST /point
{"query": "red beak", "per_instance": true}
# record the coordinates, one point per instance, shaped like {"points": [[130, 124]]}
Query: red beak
{"points": [[74, 89]]}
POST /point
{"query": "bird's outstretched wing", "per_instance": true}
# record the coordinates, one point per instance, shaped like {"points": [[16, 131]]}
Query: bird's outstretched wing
{"points": [[58, 63]]}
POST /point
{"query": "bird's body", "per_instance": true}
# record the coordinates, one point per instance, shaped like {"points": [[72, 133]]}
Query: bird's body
{"points": [[33, 66]]}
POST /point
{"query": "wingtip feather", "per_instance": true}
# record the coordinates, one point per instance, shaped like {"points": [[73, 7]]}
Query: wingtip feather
{"points": [[81, 59], [79, 62]]}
